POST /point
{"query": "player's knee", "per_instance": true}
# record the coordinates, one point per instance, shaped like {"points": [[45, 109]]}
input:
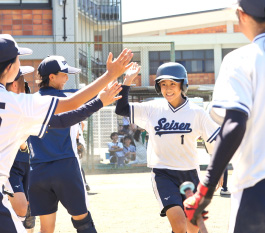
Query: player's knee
{"points": [[86, 225], [21, 212]]}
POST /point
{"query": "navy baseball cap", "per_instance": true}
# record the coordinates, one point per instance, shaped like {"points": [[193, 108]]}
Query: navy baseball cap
{"points": [[23, 70], [254, 8], [9, 48], [54, 64]]}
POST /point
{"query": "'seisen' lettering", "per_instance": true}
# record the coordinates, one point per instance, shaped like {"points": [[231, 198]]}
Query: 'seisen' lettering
{"points": [[172, 127]]}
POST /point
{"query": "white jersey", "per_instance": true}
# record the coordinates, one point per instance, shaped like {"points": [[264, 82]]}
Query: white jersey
{"points": [[20, 116], [241, 86], [173, 132]]}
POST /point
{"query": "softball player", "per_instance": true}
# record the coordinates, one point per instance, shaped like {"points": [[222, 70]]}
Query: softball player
{"points": [[23, 115], [173, 124], [55, 170], [242, 79], [20, 170]]}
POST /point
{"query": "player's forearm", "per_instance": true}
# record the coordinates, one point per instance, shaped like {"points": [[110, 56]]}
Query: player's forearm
{"points": [[123, 107], [83, 95], [227, 142], [67, 119]]}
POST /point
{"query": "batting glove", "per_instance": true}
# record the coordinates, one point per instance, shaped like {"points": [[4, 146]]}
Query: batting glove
{"points": [[194, 206]]}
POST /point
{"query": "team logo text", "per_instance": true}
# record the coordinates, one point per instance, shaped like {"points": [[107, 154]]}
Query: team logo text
{"points": [[172, 127]]}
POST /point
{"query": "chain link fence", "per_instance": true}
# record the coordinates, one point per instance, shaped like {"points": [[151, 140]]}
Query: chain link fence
{"points": [[91, 59]]}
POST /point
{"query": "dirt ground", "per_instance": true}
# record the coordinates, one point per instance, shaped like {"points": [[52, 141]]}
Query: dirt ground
{"points": [[125, 203]]}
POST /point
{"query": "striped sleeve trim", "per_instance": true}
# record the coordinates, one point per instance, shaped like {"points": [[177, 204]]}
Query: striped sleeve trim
{"points": [[50, 112], [213, 137], [131, 114], [232, 106]]}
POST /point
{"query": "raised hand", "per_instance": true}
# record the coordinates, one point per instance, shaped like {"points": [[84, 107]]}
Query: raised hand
{"points": [[131, 74], [108, 94], [118, 66]]}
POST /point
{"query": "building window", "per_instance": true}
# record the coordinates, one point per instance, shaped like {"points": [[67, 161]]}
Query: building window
{"points": [[195, 61], [137, 57], [25, 4], [98, 47], [157, 58]]}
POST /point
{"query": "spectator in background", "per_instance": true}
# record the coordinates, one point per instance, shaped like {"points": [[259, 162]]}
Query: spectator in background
{"points": [[129, 150], [140, 148], [125, 125], [116, 150]]}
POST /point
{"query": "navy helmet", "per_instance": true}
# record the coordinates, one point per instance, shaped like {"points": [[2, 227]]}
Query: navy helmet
{"points": [[172, 71]]}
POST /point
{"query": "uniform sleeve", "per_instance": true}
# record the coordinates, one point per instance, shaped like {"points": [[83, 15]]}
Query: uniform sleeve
{"points": [[139, 114], [209, 131], [67, 119], [36, 112], [233, 88]]}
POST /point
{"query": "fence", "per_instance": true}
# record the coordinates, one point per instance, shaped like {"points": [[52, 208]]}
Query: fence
{"points": [[91, 59]]}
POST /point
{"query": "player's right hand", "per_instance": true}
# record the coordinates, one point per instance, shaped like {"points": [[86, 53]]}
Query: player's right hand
{"points": [[118, 66], [194, 206], [109, 94]]}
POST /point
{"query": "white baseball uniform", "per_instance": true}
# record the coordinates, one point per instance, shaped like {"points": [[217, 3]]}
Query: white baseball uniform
{"points": [[242, 79], [20, 116], [173, 132]]}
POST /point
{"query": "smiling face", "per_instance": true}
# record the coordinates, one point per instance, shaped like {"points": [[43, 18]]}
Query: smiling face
{"points": [[171, 91], [58, 81]]}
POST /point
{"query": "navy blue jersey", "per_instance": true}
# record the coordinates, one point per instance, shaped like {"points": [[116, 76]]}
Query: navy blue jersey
{"points": [[56, 144]]}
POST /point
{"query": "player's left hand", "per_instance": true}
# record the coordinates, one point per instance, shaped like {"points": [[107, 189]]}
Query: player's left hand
{"points": [[109, 94], [194, 206]]}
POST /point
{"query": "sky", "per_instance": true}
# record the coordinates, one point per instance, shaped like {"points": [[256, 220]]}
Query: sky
{"points": [[133, 10]]}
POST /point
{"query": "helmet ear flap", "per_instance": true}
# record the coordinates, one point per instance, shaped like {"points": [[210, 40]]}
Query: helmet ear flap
{"points": [[157, 88], [184, 85]]}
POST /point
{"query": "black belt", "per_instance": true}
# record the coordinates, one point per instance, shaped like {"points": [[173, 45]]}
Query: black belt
{"points": [[7, 192]]}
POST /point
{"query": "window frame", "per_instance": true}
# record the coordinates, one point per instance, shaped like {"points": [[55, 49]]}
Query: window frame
{"points": [[27, 6]]}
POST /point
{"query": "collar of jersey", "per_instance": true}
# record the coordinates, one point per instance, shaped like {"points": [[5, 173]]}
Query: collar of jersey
{"points": [[259, 36], [179, 107], [2, 86]]}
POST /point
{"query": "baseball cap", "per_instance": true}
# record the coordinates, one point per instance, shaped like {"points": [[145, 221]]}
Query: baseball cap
{"points": [[54, 64], [9, 48], [254, 8], [23, 70]]}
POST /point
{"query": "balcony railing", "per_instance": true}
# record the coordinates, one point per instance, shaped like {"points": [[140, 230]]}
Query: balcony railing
{"points": [[99, 12]]}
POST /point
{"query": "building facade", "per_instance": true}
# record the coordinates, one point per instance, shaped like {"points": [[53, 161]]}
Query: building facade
{"points": [[201, 40], [44, 25]]}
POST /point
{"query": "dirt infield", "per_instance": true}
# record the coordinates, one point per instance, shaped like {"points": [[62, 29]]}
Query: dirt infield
{"points": [[125, 203]]}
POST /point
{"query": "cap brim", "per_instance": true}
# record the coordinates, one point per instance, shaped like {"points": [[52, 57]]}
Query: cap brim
{"points": [[71, 70], [24, 51], [24, 70]]}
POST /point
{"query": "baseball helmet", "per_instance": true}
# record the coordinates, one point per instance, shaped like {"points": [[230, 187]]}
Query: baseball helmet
{"points": [[172, 71]]}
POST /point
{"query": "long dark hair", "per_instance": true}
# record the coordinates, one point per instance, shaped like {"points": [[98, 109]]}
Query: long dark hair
{"points": [[5, 64]]}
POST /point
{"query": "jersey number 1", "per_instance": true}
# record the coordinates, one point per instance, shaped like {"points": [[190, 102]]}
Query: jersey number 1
{"points": [[2, 106], [182, 139]]}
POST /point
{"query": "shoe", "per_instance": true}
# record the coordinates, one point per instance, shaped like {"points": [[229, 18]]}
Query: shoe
{"points": [[87, 187], [224, 192]]}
